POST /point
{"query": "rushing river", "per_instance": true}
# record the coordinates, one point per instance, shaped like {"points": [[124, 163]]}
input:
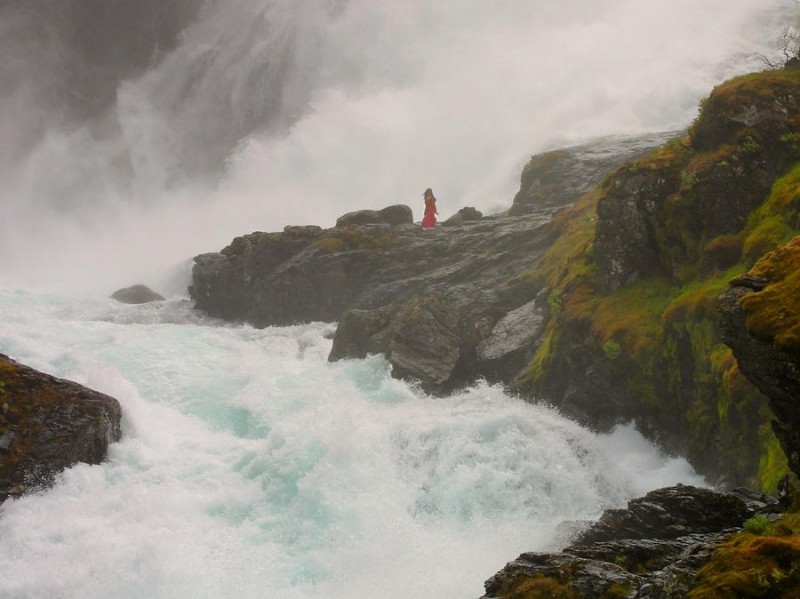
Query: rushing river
{"points": [[250, 466]]}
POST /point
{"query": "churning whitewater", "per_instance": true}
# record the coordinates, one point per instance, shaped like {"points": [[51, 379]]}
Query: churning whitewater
{"points": [[250, 467]]}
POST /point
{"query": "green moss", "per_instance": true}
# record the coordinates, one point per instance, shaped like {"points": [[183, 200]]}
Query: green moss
{"points": [[763, 562], [757, 525], [773, 464], [753, 89], [776, 221], [612, 350], [773, 314], [661, 333], [353, 238]]}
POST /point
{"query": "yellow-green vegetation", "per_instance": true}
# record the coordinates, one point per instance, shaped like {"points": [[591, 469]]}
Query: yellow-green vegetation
{"points": [[777, 220], [353, 238], [762, 561], [660, 333], [557, 586], [566, 270], [773, 464], [773, 314]]}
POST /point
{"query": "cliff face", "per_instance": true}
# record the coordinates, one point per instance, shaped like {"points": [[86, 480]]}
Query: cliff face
{"points": [[761, 323], [636, 269], [48, 424]]}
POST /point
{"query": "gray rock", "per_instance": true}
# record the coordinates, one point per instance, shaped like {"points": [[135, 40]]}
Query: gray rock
{"points": [[464, 215], [398, 214], [559, 177], [652, 549], [515, 331], [136, 294], [381, 283]]}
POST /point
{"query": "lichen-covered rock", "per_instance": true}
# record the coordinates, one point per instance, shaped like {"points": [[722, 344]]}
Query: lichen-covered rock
{"points": [[661, 212], [626, 247], [48, 424], [634, 273], [764, 106]]}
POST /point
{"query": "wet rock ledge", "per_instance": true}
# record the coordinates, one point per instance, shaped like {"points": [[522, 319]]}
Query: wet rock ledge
{"points": [[439, 303], [48, 424], [654, 549]]}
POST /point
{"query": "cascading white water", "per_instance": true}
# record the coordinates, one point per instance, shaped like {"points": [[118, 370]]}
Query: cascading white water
{"points": [[251, 467], [276, 112]]}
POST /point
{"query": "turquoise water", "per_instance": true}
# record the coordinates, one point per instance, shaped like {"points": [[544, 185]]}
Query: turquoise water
{"points": [[252, 467]]}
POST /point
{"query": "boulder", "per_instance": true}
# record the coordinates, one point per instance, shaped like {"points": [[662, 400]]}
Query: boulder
{"points": [[464, 215], [48, 424], [136, 294], [398, 214]]}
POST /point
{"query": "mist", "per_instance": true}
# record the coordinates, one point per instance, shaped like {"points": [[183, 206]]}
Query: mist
{"points": [[124, 158]]}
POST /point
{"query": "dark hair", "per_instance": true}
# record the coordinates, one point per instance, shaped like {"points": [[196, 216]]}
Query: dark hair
{"points": [[428, 192]]}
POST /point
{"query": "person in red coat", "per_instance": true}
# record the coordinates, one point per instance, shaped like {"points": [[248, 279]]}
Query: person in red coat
{"points": [[429, 218]]}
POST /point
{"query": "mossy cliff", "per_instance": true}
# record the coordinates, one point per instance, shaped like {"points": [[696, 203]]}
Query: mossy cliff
{"points": [[635, 269], [760, 322]]}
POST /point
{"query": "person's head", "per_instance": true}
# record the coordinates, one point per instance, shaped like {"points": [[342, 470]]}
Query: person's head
{"points": [[428, 193]]}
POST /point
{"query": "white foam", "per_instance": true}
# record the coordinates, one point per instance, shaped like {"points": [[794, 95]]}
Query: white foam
{"points": [[250, 465]]}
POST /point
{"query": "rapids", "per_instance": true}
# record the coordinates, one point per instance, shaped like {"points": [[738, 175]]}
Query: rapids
{"points": [[250, 467]]}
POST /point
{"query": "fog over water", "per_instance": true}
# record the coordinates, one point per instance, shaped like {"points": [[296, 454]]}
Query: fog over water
{"points": [[135, 136], [265, 113]]}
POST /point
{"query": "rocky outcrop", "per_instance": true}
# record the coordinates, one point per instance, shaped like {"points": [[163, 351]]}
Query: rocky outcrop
{"points": [[48, 424], [136, 294], [430, 300], [661, 213], [761, 323], [604, 307], [559, 177], [651, 550]]}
